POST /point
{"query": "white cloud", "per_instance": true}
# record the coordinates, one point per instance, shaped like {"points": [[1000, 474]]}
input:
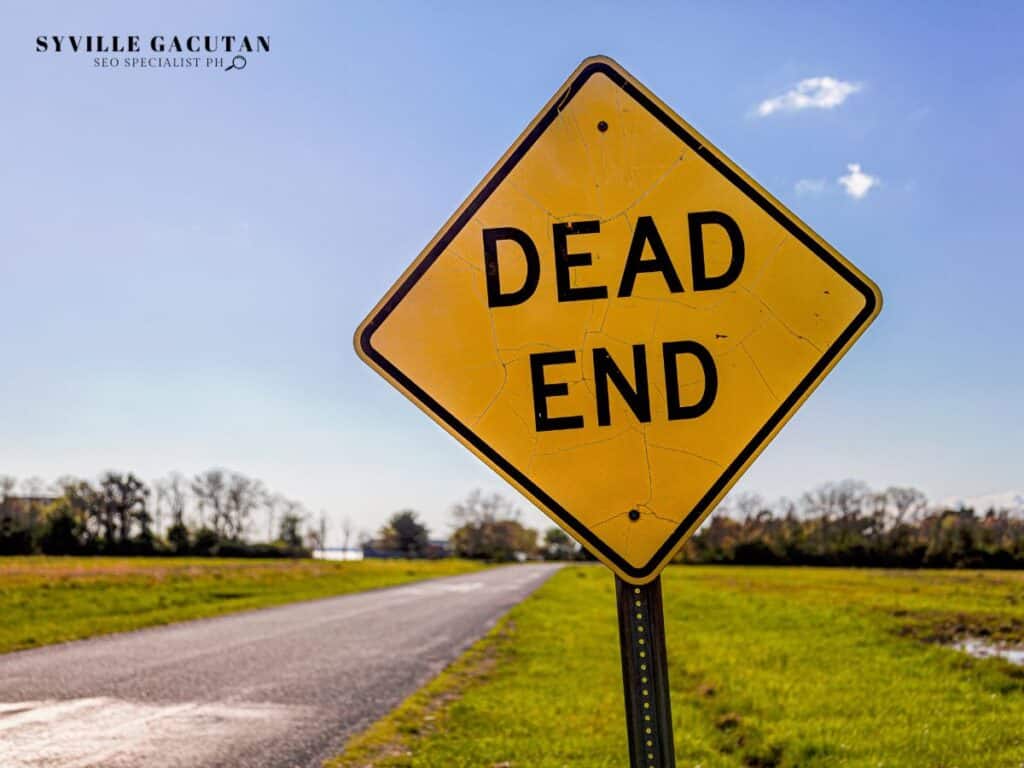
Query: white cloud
{"points": [[811, 93], [810, 186], [856, 182]]}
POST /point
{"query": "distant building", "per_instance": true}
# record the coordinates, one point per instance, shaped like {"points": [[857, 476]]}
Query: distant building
{"points": [[337, 553], [373, 551], [436, 550]]}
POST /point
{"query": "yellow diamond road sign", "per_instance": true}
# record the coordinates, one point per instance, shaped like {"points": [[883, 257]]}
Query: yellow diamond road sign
{"points": [[618, 320]]}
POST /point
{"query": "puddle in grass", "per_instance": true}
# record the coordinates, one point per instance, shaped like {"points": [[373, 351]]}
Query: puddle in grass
{"points": [[980, 649]]}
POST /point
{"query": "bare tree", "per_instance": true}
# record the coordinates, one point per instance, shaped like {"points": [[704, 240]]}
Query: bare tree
{"points": [[33, 487], [160, 504], [489, 527], [905, 504], [209, 489], [316, 538], [230, 499], [171, 497], [124, 504], [836, 506], [7, 485], [64, 482], [786, 507], [347, 529], [177, 491], [748, 505], [478, 508], [243, 498], [272, 503], [837, 500]]}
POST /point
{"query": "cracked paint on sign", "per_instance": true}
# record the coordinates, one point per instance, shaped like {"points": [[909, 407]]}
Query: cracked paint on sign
{"points": [[605, 150]]}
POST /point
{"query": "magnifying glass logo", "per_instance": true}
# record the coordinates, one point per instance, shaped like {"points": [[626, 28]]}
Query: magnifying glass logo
{"points": [[238, 62]]}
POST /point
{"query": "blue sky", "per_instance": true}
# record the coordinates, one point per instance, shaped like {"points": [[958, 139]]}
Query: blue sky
{"points": [[185, 254]]}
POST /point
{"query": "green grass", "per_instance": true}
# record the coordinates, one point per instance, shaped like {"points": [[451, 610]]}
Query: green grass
{"points": [[53, 599], [769, 667]]}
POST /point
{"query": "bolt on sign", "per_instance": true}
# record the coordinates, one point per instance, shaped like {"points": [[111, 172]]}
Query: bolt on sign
{"points": [[618, 320]]}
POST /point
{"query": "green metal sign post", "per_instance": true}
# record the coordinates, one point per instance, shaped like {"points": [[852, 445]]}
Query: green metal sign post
{"points": [[645, 674]]}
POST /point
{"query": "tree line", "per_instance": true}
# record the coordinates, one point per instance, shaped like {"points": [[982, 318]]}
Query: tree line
{"points": [[844, 523], [216, 512], [485, 527], [849, 524]]}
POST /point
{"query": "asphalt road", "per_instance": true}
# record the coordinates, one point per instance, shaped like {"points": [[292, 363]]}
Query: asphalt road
{"points": [[276, 688]]}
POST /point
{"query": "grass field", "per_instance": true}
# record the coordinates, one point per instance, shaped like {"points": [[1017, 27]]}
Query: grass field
{"points": [[769, 667], [52, 599]]}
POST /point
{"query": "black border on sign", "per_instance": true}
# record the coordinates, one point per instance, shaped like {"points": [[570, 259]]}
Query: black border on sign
{"points": [[366, 338]]}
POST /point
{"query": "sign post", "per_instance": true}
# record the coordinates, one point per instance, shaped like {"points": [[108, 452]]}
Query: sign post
{"points": [[645, 674], [618, 320]]}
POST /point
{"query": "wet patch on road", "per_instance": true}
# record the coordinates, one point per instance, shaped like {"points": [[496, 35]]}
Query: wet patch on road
{"points": [[114, 733]]}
